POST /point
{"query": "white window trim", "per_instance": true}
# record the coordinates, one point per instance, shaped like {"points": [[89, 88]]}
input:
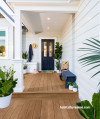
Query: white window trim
{"points": [[6, 42]]}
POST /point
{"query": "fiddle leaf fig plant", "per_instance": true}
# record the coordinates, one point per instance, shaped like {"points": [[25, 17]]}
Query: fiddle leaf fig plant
{"points": [[7, 83], [58, 54]]}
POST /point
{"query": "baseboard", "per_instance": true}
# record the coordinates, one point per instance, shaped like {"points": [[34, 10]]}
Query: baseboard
{"points": [[19, 90]]}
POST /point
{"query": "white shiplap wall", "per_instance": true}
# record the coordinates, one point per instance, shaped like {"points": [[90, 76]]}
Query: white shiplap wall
{"points": [[7, 62], [83, 25]]}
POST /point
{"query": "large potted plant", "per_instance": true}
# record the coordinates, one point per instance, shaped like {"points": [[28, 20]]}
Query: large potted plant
{"points": [[25, 56], [7, 85], [92, 57], [58, 55]]}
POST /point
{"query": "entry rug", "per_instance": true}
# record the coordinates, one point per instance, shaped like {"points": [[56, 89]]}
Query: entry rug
{"points": [[48, 71]]}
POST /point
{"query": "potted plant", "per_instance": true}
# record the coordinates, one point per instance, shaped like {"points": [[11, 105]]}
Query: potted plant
{"points": [[7, 85], [75, 87], [70, 85], [25, 69], [24, 56], [58, 55], [93, 110]]}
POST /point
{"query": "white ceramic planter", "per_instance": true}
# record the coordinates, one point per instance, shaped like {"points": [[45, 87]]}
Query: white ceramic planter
{"points": [[75, 89], [57, 71], [70, 87], [5, 101], [25, 71], [25, 60]]}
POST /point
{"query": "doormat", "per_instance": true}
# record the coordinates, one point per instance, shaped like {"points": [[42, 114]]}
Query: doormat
{"points": [[48, 71]]}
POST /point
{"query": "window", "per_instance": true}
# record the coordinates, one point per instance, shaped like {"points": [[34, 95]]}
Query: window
{"points": [[3, 42], [45, 49]]}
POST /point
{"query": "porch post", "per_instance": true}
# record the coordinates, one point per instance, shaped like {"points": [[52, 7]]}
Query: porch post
{"points": [[18, 62]]}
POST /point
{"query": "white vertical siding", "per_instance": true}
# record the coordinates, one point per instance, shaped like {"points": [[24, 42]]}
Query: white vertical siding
{"points": [[83, 25]]}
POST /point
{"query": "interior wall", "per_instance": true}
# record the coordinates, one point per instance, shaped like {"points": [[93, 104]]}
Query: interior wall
{"points": [[29, 38], [83, 25], [7, 61]]}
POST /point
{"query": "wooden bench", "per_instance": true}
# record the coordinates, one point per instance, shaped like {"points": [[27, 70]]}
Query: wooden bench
{"points": [[68, 76]]}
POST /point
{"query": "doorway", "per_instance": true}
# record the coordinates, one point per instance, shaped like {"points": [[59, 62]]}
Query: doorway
{"points": [[47, 54]]}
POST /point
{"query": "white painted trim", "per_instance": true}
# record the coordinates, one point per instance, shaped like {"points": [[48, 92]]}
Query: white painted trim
{"points": [[6, 42], [7, 18], [40, 41], [19, 90], [39, 1], [60, 9]]}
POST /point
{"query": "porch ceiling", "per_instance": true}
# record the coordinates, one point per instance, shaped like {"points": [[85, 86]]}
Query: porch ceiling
{"points": [[44, 22], [45, 15]]}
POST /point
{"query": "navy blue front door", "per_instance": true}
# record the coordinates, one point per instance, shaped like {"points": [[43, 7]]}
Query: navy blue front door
{"points": [[47, 54]]}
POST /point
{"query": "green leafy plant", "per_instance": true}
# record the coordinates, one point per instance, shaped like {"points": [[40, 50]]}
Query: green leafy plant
{"points": [[25, 66], [70, 83], [24, 55], [75, 85], [7, 83], [92, 56], [58, 54], [58, 65], [93, 112]]}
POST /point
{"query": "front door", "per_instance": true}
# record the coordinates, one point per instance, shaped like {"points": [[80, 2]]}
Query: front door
{"points": [[47, 54]]}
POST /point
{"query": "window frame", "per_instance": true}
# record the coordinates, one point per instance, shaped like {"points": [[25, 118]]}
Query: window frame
{"points": [[6, 42]]}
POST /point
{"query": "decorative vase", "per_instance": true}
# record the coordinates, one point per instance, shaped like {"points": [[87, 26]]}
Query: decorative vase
{"points": [[5, 101], [24, 71], [70, 87], [75, 89]]}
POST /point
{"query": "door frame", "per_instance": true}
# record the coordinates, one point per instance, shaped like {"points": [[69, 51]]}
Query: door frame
{"points": [[40, 47]]}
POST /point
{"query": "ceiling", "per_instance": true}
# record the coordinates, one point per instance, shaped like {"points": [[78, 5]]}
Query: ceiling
{"points": [[44, 22]]}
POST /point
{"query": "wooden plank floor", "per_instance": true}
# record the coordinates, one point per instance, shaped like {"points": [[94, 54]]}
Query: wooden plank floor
{"points": [[43, 95], [44, 83], [41, 107]]}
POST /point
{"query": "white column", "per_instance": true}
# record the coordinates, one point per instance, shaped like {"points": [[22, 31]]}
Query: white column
{"points": [[18, 62], [18, 34]]}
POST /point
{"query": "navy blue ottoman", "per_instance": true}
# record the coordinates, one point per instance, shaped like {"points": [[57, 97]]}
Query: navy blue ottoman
{"points": [[68, 76]]}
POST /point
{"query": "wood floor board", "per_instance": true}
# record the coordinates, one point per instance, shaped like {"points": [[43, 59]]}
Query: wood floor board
{"points": [[37, 109], [57, 111], [50, 109]]}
